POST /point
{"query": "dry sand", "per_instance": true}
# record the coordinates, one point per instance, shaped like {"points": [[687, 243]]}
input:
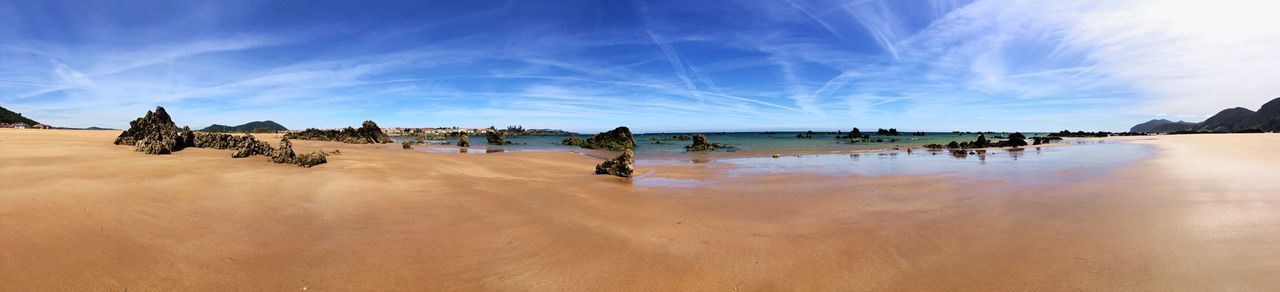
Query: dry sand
{"points": [[77, 213]]}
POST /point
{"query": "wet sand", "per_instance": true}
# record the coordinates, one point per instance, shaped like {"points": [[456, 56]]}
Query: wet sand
{"points": [[77, 213]]}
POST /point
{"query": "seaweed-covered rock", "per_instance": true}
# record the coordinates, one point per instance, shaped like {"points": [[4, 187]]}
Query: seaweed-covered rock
{"points": [[464, 141], [619, 166], [368, 133], [615, 140], [497, 138], [155, 133], [571, 140]]}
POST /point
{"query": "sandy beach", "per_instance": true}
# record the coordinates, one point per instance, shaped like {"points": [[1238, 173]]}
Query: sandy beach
{"points": [[78, 213]]}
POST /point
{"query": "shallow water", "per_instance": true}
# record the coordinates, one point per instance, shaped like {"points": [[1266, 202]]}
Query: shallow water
{"points": [[1089, 159], [660, 145]]}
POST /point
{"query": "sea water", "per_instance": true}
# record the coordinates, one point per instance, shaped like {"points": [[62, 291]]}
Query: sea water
{"points": [[662, 146]]}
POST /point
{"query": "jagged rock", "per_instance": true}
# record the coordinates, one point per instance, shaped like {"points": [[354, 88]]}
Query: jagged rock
{"points": [[311, 159], [155, 133], [699, 144], [1015, 140], [464, 141], [497, 138], [368, 133], [982, 142], [615, 140], [284, 153], [250, 146], [619, 166], [406, 145]]}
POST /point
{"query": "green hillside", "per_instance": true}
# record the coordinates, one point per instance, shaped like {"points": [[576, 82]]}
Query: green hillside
{"points": [[10, 117]]}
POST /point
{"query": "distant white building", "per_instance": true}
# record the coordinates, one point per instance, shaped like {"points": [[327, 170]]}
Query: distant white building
{"points": [[18, 125]]}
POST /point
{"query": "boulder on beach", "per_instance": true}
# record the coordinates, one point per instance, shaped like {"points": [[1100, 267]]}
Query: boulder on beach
{"points": [[155, 134], [620, 166], [284, 153], [250, 146]]}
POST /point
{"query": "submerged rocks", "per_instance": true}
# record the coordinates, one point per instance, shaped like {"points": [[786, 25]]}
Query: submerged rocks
{"points": [[368, 133], [619, 166], [155, 134], [700, 144], [615, 140]]}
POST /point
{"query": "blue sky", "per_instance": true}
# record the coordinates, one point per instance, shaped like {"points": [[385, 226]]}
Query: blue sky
{"points": [[652, 65]]}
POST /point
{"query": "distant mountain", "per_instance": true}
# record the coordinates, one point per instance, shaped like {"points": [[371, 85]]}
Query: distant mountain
{"points": [[9, 117], [259, 126], [1178, 126], [89, 128], [1267, 118], [1162, 126], [1226, 120]]}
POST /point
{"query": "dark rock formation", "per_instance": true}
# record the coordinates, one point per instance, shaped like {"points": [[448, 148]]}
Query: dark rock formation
{"points": [[619, 166], [699, 144], [464, 141], [614, 140], [368, 133], [155, 133], [250, 146], [497, 138], [311, 159], [284, 153], [571, 140], [981, 142], [406, 145], [1015, 140]]}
